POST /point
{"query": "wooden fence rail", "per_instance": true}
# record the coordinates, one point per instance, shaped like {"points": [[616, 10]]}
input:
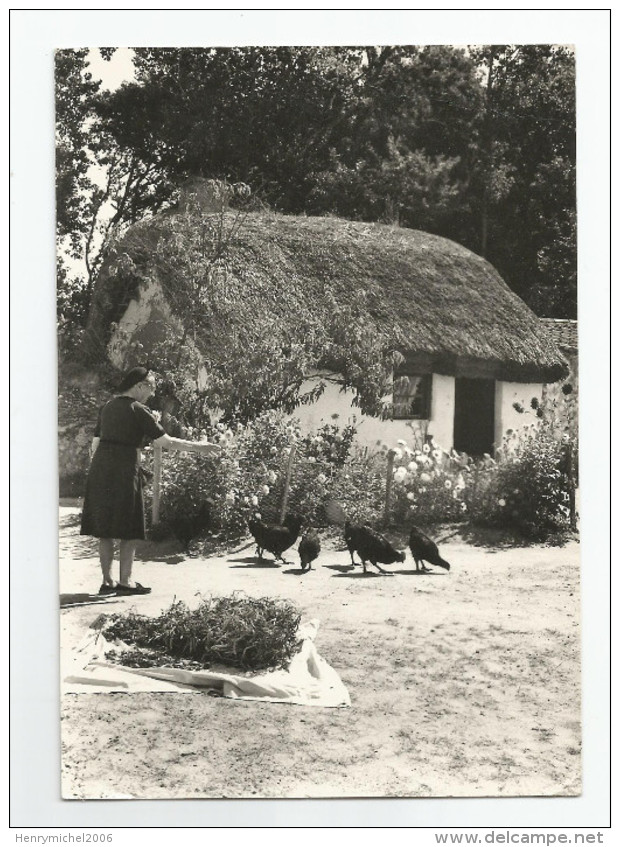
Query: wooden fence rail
{"points": [[157, 474], [157, 467]]}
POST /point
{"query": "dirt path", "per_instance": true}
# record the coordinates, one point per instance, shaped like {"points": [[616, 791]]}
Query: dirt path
{"points": [[462, 684]]}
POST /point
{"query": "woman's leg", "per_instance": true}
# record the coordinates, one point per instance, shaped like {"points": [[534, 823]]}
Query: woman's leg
{"points": [[128, 549], [106, 557]]}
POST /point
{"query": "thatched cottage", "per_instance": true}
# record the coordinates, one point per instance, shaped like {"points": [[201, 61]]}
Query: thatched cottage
{"points": [[467, 347]]}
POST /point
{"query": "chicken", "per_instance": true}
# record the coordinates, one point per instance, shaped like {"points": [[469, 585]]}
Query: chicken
{"points": [[370, 546], [425, 550], [351, 532], [188, 527], [275, 538], [309, 548]]}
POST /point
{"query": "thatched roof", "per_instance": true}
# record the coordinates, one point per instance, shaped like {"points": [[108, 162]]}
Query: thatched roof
{"points": [[564, 333], [421, 294]]}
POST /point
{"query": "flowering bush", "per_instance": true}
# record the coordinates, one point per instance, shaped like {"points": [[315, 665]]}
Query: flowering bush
{"points": [[531, 487], [250, 475], [528, 486], [527, 489], [359, 486], [429, 484]]}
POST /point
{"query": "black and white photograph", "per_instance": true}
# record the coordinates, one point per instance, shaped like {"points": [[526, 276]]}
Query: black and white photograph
{"points": [[318, 444]]}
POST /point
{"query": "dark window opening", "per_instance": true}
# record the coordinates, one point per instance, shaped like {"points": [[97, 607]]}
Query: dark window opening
{"points": [[412, 396]]}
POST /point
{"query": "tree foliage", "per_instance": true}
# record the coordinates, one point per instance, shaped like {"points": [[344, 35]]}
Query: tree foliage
{"points": [[477, 145]]}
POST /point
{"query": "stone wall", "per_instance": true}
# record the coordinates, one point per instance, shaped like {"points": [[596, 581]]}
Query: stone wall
{"points": [[81, 393]]}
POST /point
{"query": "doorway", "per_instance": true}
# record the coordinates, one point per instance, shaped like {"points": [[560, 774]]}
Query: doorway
{"points": [[474, 415]]}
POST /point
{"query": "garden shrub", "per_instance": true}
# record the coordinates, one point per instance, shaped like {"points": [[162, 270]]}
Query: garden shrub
{"points": [[428, 484], [526, 487], [250, 474], [359, 486], [531, 484]]}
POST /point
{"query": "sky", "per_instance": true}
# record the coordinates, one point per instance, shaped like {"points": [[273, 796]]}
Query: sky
{"points": [[113, 73]]}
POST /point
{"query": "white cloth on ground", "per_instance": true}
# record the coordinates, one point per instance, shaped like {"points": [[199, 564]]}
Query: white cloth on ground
{"points": [[309, 679]]}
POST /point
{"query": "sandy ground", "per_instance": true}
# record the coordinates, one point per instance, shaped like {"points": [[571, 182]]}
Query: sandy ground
{"points": [[462, 684]]}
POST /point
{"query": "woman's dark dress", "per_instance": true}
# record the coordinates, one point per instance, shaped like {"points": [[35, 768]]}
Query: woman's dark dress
{"points": [[113, 503]]}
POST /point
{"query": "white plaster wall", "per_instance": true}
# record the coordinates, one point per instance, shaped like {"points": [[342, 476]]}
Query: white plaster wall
{"points": [[335, 406], [506, 416], [136, 316], [441, 424]]}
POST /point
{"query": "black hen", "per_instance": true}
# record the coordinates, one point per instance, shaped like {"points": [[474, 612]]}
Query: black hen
{"points": [[275, 538], [425, 550], [370, 546], [350, 535], [309, 549], [188, 527]]}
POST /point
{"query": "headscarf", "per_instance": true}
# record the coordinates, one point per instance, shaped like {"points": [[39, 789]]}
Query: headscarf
{"points": [[131, 378]]}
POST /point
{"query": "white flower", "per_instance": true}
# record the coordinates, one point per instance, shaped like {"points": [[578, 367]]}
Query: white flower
{"points": [[273, 451], [412, 507], [272, 476], [402, 442], [321, 478], [501, 502], [338, 438], [230, 497], [254, 500], [265, 489], [447, 484], [455, 494], [426, 448], [436, 455], [411, 496], [424, 477], [412, 467], [312, 460], [398, 454], [463, 507]]}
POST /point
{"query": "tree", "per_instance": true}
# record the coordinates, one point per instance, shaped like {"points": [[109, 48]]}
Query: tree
{"points": [[100, 188], [524, 190], [75, 92], [477, 145]]}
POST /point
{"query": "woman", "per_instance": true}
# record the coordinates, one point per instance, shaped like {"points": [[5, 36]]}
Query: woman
{"points": [[113, 503]]}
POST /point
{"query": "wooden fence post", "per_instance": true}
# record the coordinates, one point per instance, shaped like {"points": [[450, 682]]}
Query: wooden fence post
{"points": [[571, 489], [287, 483], [388, 487], [157, 451]]}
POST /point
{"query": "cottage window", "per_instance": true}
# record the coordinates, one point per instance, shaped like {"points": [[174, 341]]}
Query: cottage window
{"points": [[412, 395]]}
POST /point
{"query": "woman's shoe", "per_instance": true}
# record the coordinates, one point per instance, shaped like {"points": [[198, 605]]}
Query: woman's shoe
{"points": [[132, 589], [108, 589]]}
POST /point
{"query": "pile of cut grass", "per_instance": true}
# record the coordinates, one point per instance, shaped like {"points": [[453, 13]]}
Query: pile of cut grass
{"points": [[249, 633]]}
